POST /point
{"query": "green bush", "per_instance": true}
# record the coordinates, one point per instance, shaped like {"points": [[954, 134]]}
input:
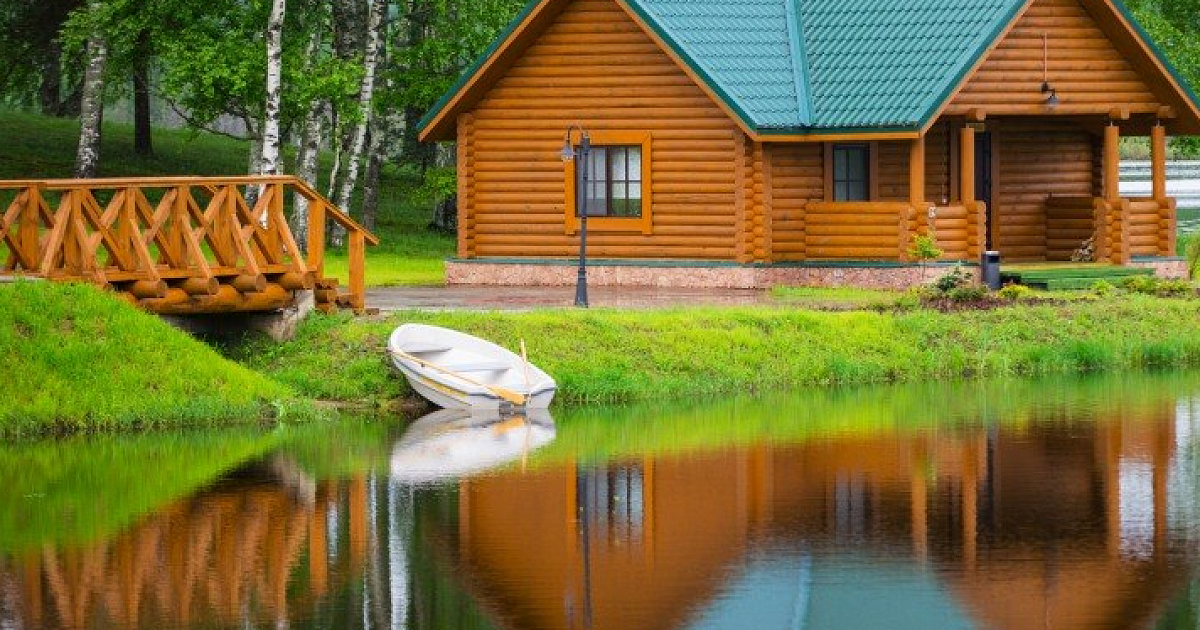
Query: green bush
{"points": [[956, 279], [1103, 288], [1140, 284], [924, 247], [969, 293], [1175, 288], [1015, 292]]}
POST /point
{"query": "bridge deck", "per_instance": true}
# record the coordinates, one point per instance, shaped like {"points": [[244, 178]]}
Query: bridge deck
{"points": [[181, 245]]}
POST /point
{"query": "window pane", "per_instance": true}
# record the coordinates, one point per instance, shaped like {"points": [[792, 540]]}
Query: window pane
{"points": [[635, 164], [618, 190], [839, 164], [635, 190], [598, 164], [840, 191], [856, 170], [857, 191], [618, 166]]}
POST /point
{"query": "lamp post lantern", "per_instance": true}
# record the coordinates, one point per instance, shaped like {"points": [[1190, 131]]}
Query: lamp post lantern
{"points": [[581, 158]]}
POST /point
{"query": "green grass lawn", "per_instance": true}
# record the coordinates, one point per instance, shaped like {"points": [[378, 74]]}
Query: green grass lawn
{"points": [[76, 359], [616, 356], [409, 253]]}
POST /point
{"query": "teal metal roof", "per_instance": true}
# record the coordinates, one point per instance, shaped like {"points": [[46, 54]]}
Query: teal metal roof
{"points": [[795, 65]]}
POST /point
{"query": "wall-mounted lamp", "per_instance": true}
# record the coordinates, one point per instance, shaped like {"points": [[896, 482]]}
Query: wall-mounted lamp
{"points": [[1049, 94]]}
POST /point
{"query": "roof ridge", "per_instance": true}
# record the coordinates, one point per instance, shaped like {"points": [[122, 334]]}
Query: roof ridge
{"points": [[795, 25]]}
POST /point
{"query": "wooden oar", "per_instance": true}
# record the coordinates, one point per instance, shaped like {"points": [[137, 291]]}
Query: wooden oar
{"points": [[503, 392]]}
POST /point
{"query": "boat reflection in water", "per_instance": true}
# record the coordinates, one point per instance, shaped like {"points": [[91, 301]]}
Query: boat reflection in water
{"points": [[458, 443]]}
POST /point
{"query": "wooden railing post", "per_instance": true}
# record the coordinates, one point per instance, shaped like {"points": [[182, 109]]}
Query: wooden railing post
{"points": [[316, 237]]}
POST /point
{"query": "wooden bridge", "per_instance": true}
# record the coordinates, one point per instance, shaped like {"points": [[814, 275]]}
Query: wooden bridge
{"points": [[179, 245]]}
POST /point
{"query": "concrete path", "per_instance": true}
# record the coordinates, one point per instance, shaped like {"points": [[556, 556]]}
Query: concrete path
{"points": [[526, 298]]}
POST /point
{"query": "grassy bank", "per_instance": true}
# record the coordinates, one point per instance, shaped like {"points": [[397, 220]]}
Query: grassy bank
{"points": [[621, 356], [76, 359]]}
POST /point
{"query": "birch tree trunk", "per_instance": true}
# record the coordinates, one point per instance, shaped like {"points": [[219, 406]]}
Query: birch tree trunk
{"points": [[270, 136], [91, 115], [365, 98], [308, 147]]}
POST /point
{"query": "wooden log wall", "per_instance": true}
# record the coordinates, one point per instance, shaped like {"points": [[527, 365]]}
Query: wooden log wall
{"points": [[941, 158], [1088, 72], [1145, 227], [1036, 159], [1069, 222], [952, 227], [798, 178], [856, 230], [607, 75]]}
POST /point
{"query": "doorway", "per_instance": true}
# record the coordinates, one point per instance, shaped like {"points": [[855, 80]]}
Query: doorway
{"points": [[983, 183]]}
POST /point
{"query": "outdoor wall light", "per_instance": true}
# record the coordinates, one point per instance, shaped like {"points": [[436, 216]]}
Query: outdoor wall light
{"points": [[581, 158], [1049, 96]]}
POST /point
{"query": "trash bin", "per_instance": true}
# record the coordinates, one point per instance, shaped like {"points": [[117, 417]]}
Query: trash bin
{"points": [[989, 265]]}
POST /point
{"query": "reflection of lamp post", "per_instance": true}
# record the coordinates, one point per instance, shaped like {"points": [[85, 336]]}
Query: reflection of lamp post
{"points": [[581, 182]]}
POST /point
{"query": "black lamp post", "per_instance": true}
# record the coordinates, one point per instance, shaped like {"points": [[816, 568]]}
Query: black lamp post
{"points": [[581, 211]]}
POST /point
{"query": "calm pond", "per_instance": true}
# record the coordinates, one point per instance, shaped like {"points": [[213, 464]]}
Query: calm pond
{"points": [[1051, 504]]}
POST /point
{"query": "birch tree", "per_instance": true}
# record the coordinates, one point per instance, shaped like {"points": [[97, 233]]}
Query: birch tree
{"points": [[366, 101], [270, 136], [87, 156]]}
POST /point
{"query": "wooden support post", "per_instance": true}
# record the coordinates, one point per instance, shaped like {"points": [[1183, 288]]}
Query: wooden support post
{"points": [[976, 226], [316, 237], [358, 261], [1112, 163], [966, 161], [1158, 162], [1118, 224], [916, 174]]}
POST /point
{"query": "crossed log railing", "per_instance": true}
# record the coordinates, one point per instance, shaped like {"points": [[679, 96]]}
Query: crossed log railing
{"points": [[180, 245]]}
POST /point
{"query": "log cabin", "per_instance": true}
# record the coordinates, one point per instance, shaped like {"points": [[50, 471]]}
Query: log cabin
{"points": [[748, 144]]}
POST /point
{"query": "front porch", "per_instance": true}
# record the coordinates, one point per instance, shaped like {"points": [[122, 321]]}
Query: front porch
{"points": [[1035, 188]]}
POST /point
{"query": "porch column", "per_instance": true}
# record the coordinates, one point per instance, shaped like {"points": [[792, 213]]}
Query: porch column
{"points": [[976, 222], [916, 176], [1115, 225], [1158, 161], [1158, 178]]}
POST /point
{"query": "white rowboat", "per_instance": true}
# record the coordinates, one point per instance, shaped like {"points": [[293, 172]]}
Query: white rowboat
{"points": [[459, 443], [455, 370]]}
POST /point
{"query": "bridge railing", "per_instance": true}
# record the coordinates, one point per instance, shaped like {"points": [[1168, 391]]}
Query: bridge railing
{"points": [[179, 244]]}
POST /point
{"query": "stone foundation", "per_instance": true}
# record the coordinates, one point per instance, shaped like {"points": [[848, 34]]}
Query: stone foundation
{"points": [[698, 275], [1164, 267]]}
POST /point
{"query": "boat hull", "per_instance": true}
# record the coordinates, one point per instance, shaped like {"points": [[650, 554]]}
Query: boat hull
{"points": [[447, 388]]}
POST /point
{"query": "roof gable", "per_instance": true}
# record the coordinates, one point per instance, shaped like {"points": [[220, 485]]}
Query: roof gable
{"points": [[799, 67], [891, 63]]}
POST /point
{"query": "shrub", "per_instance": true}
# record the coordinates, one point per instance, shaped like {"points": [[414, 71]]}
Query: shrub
{"points": [[1103, 288], [1016, 292], [970, 293], [1175, 288], [1140, 284], [924, 247], [957, 278]]}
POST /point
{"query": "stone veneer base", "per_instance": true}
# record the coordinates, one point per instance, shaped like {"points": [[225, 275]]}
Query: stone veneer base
{"points": [[698, 275], [1164, 267]]}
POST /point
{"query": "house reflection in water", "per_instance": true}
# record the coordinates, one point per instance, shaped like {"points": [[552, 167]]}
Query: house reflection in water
{"points": [[1042, 522], [1054, 524]]}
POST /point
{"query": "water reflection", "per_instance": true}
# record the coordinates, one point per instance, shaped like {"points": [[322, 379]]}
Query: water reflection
{"points": [[454, 443], [1049, 505]]}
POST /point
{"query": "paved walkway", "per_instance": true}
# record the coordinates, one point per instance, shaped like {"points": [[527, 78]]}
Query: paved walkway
{"points": [[525, 298]]}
